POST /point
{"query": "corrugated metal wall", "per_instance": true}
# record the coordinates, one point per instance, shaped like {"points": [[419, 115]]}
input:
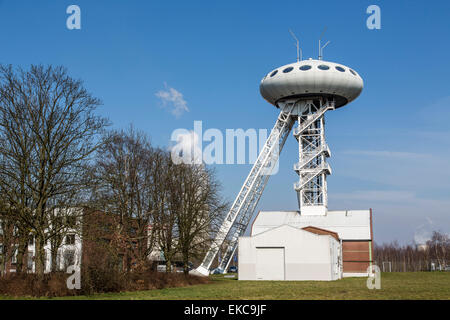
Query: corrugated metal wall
{"points": [[356, 255]]}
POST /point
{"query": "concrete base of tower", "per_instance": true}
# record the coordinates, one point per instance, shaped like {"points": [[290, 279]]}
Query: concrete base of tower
{"points": [[200, 271], [313, 211]]}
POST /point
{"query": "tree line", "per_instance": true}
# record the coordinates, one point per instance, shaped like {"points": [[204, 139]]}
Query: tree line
{"points": [[433, 255], [57, 154]]}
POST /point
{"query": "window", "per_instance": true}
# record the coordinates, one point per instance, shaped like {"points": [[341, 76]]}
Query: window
{"points": [[274, 73], [30, 261], [353, 72], [133, 231], [305, 67], [71, 221], [108, 227], [70, 239], [31, 241], [323, 67], [1, 249], [289, 69], [69, 258], [14, 256], [58, 221], [338, 68]]}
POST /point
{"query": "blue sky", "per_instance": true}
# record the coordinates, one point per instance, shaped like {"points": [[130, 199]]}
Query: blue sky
{"points": [[390, 146]]}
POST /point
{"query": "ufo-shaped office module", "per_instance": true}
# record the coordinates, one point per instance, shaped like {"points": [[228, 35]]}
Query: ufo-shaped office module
{"points": [[312, 78]]}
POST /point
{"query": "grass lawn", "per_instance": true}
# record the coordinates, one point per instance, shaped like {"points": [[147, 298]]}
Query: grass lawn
{"points": [[411, 285]]}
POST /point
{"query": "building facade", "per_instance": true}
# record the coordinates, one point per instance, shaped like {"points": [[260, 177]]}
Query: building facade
{"points": [[353, 228], [90, 237], [290, 253]]}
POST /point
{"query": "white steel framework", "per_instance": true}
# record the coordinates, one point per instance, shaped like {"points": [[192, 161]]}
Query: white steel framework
{"points": [[312, 169]]}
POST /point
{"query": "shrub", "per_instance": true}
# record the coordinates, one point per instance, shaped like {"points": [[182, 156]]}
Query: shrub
{"points": [[97, 281], [93, 281], [51, 285]]}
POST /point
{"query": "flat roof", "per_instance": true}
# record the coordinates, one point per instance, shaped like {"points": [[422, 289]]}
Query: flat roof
{"points": [[349, 225]]}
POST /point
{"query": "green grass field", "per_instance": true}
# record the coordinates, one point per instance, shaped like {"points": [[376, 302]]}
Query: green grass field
{"points": [[418, 285]]}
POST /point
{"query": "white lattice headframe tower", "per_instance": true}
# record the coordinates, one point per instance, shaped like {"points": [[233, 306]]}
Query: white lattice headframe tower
{"points": [[303, 91]]}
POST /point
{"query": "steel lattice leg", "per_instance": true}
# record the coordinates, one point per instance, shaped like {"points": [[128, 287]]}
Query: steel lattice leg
{"points": [[242, 209]]}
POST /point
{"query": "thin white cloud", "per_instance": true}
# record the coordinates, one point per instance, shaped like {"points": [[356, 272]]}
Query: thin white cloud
{"points": [[398, 214], [389, 154], [423, 232], [173, 100], [436, 113], [405, 170], [405, 180], [376, 195]]}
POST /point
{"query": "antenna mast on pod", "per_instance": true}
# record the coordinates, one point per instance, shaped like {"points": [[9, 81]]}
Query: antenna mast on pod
{"points": [[299, 50], [320, 46]]}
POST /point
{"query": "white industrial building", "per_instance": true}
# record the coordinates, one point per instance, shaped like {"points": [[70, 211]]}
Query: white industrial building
{"points": [[290, 253], [285, 245]]}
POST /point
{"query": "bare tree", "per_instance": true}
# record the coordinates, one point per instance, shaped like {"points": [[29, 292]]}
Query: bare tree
{"points": [[16, 144], [171, 207], [194, 196], [122, 172], [48, 131], [439, 245], [8, 238], [164, 215]]}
